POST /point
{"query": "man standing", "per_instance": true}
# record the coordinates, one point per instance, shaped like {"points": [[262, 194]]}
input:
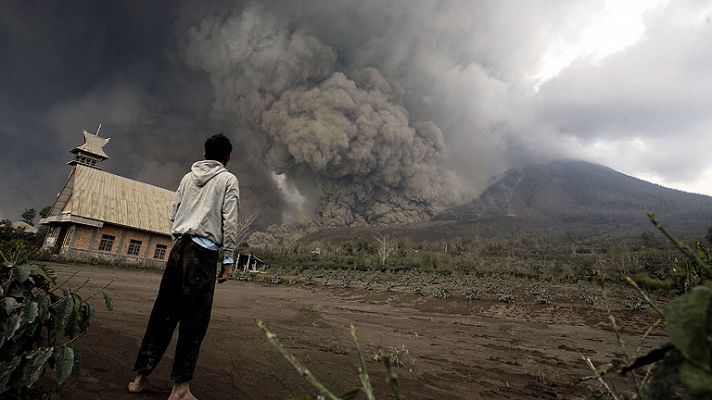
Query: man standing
{"points": [[204, 219]]}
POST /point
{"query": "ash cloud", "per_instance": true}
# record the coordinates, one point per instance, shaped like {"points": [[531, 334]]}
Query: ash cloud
{"points": [[350, 139]]}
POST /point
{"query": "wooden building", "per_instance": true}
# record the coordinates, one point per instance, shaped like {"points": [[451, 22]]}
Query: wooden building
{"points": [[102, 217]]}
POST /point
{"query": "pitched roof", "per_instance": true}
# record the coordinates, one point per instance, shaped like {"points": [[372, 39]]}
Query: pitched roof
{"points": [[93, 144], [114, 199]]}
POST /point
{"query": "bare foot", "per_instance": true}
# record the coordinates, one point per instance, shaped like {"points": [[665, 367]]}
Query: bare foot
{"points": [[138, 384], [181, 391]]}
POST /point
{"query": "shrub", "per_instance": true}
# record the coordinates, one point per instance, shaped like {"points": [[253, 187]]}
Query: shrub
{"points": [[308, 279], [345, 281], [585, 294], [41, 321], [441, 292], [540, 291], [506, 295], [396, 356], [647, 282], [635, 303], [472, 295]]}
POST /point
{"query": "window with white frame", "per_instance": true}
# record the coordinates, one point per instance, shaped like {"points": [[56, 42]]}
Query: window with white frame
{"points": [[107, 242], [160, 252], [134, 247]]}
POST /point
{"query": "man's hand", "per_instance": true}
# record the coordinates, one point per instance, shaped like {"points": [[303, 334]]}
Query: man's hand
{"points": [[225, 273]]}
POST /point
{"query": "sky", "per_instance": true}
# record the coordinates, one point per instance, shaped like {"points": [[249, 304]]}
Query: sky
{"points": [[403, 108]]}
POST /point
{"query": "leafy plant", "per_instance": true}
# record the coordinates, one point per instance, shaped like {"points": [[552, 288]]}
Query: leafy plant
{"points": [[681, 368], [396, 356], [345, 281], [540, 291], [506, 295], [41, 320], [472, 294], [585, 294], [441, 292], [635, 303]]}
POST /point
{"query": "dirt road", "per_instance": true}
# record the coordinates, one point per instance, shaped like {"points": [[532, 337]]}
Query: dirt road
{"points": [[455, 349]]}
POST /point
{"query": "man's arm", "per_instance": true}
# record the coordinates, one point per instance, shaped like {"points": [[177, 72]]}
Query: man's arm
{"points": [[230, 212], [177, 201]]}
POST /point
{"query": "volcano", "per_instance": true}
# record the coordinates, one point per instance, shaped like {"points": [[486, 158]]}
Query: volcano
{"points": [[556, 198], [567, 192]]}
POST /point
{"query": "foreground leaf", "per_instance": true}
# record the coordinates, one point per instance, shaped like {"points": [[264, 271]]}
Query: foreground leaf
{"points": [[31, 311], [6, 370], [665, 377], [64, 363], [22, 272], [42, 307], [74, 323], [9, 304], [66, 308], [686, 320], [11, 326], [49, 273], [351, 394], [107, 301], [696, 380], [653, 356], [35, 365]]}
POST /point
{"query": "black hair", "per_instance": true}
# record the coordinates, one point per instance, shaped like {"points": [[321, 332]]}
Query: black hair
{"points": [[217, 147]]}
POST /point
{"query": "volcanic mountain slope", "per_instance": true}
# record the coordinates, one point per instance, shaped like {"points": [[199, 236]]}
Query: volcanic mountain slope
{"points": [[566, 191], [555, 198]]}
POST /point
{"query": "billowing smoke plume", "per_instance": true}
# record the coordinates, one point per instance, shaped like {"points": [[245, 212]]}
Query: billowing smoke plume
{"points": [[345, 141]]}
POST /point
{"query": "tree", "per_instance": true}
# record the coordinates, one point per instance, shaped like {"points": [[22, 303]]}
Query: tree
{"points": [[243, 227], [44, 213], [29, 215], [385, 247], [709, 235]]}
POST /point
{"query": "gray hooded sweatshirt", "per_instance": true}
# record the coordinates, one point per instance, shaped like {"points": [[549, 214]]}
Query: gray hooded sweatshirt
{"points": [[207, 204]]}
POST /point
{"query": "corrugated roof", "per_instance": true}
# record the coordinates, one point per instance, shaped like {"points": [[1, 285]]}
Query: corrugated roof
{"points": [[114, 199], [94, 144]]}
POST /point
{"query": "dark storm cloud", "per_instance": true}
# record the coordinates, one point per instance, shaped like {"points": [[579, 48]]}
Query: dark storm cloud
{"points": [[52, 55], [71, 68]]}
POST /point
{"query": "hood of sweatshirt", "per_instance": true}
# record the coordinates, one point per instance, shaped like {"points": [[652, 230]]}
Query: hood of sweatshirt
{"points": [[203, 171]]}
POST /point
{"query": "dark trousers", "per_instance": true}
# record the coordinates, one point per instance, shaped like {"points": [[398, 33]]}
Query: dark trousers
{"points": [[186, 297]]}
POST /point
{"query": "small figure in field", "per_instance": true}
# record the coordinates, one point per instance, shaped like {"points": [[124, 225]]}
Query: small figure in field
{"points": [[204, 219]]}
